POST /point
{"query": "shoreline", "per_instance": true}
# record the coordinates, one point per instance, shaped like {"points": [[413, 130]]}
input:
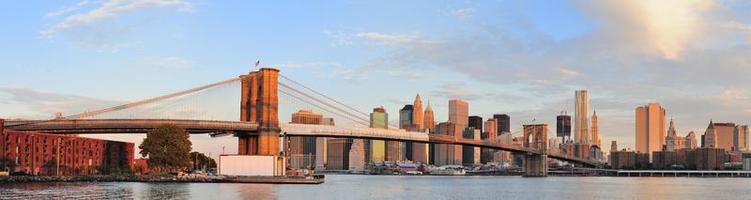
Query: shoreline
{"points": [[161, 179]]}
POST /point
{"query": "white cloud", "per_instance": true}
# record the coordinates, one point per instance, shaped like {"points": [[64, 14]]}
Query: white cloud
{"points": [[464, 13], [107, 10], [393, 39], [67, 9]]}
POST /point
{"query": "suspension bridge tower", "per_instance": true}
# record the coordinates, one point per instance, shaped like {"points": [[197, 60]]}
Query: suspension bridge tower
{"points": [[259, 103], [535, 137]]}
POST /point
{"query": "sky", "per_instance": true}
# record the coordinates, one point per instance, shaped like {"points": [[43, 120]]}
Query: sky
{"points": [[523, 58]]}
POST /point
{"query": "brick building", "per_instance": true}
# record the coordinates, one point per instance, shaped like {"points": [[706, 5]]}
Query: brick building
{"points": [[48, 154]]}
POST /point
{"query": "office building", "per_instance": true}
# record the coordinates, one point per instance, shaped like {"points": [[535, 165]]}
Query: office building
{"points": [[428, 118], [378, 119], [504, 123], [563, 127], [595, 131], [650, 128], [459, 114], [417, 113], [475, 122], [581, 121]]}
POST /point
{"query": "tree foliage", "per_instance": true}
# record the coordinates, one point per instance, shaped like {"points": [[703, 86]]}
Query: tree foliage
{"points": [[167, 148]]}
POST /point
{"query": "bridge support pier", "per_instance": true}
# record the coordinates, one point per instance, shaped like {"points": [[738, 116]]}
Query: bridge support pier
{"points": [[535, 165]]}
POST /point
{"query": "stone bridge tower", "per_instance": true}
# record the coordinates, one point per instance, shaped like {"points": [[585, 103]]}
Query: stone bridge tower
{"points": [[259, 102], [536, 137]]}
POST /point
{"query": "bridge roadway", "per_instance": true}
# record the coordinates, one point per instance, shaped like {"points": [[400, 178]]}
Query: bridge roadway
{"points": [[102, 126]]}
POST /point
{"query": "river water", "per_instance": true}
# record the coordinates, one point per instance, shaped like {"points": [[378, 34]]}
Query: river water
{"points": [[403, 187]]}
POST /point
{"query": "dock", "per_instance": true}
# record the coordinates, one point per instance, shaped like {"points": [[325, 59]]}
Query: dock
{"points": [[317, 179]]}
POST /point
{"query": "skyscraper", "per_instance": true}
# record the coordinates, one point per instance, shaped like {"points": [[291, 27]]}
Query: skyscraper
{"points": [[406, 122], [563, 127], [504, 123], [650, 128], [406, 116], [595, 130], [740, 137], [581, 122], [475, 122], [491, 130], [417, 113], [428, 120], [378, 119], [459, 114]]}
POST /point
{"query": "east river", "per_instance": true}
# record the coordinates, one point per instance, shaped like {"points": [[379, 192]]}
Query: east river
{"points": [[402, 187]]}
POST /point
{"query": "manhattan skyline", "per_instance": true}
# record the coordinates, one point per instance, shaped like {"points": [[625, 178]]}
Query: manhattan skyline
{"points": [[519, 58]]}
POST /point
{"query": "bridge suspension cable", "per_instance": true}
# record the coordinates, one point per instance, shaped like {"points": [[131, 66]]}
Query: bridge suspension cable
{"points": [[298, 98], [324, 103], [147, 101], [323, 95], [349, 110], [89, 114]]}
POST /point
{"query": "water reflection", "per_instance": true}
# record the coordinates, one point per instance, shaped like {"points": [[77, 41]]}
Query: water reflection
{"points": [[401, 187]]}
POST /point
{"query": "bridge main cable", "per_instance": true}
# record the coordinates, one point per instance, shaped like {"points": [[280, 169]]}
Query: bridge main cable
{"points": [[147, 101]]}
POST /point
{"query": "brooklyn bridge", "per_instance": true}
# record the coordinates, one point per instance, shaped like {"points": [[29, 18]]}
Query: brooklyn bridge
{"points": [[259, 131]]}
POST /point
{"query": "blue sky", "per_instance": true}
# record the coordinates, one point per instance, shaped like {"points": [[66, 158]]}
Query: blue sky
{"points": [[522, 58]]}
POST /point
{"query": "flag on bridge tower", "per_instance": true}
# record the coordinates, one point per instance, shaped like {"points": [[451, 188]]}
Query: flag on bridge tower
{"points": [[258, 62]]}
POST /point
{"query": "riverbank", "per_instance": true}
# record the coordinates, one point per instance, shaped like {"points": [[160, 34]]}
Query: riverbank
{"points": [[164, 179]]}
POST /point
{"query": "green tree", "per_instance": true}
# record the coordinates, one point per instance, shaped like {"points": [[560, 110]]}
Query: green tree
{"points": [[167, 147]]}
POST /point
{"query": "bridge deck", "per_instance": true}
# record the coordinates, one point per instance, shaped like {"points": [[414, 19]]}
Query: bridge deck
{"points": [[95, 126]]}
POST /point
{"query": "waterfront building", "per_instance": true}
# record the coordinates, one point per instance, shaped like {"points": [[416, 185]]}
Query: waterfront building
{"points": [[563, 127], [303, 149], [595, 130], [581, 121], [49, 154], [378, 119], [475, 122], [740, 138], [428, 118], [446, 154], [628, 160], [504, 123], [727, 136], [417, 113], [650, 128]]}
